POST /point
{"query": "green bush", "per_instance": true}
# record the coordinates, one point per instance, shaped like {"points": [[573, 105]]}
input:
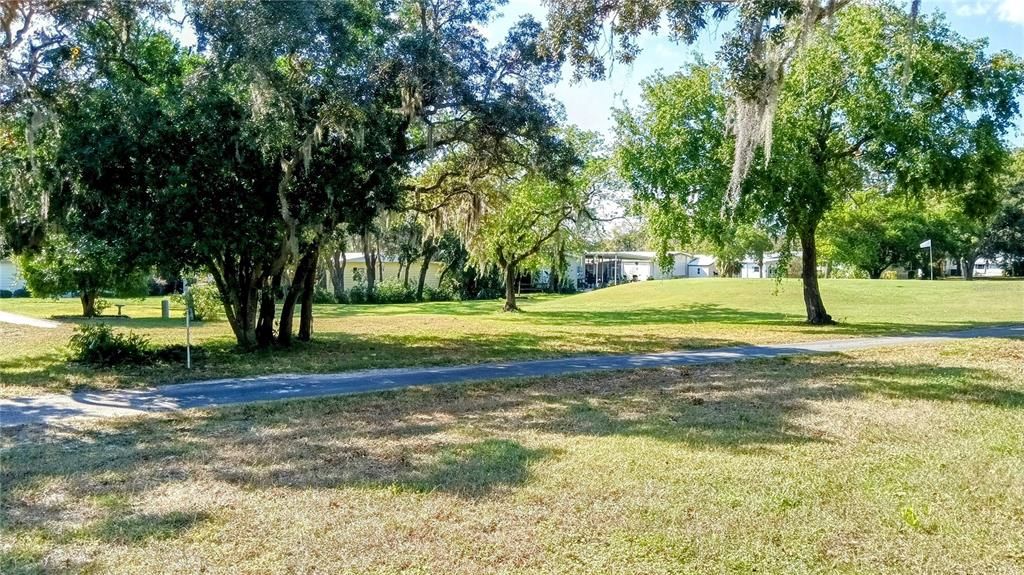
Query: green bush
{"points": [[343, 298], [323, 295], [442, 293], [22, 292], [98, 344], [394, 291], [206, 303], [357, 294], [490, 293], [6, 294]]}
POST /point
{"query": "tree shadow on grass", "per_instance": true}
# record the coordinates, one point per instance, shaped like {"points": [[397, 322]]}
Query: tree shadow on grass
{"points": [[700, 314], [474, 441], [334, 352], [137, 528]]}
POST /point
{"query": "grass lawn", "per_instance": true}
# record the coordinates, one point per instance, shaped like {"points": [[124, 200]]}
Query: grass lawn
{"points": [[900, 460], [651, 316]]}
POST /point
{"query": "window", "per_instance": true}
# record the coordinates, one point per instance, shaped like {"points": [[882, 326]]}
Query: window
{"points": [[757, 269]]}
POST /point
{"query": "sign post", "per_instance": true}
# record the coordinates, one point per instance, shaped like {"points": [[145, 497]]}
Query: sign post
{"points": [[931, 267], [188, 326]]}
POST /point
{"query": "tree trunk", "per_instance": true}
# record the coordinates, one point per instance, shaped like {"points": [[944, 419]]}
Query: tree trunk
{"points": [[309, 289], [300, 279], [88, 299], [338, 274], [510, 288], [371, 269], [967, 268], [429, 249], [760, 266], [816, 314], [244, 304], [405, 280], [240, 297], [268, 310]]}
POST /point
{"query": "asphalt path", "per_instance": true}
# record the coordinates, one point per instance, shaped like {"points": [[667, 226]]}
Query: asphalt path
{"points": [[54, 408]]}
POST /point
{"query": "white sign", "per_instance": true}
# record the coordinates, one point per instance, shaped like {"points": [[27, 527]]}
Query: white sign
{"points": [[926, 244]]}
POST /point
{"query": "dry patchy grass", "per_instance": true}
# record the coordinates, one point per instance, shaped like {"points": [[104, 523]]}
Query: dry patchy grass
{"points": [[652, 316], [904, 460]]}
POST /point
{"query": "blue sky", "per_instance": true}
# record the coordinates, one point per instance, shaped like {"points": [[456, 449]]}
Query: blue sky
{"points": [[589, 104]]}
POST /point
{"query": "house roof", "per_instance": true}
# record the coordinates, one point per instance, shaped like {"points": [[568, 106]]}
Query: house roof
{"points": [[638, 255], [702, 260], [358, 258]]}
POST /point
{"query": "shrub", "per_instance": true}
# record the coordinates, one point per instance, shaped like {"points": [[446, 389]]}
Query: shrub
{"points": [[441, 293], [847, 272], [6, 293], [323, 295], [394, 291], [22, 292], [98, 344], [342, 298], [206, 304], [490, 293], [357, 294], [101, 305]]}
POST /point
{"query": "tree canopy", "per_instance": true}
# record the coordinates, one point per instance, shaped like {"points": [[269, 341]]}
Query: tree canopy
{"points": [[290, 120], [846, 118]]}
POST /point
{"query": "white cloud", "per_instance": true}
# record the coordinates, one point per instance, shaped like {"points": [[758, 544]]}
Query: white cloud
{"points": [[977, 8], [1012, 11]]}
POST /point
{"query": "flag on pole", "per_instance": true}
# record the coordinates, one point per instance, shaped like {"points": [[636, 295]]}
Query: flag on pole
{"points": [[926, 244]]}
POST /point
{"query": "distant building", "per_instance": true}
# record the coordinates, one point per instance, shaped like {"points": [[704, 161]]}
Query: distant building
{"points": [[752, 269], [355, 269], [702, 266], [10, 276], [601, 269], [983, 268], [986, 268]]}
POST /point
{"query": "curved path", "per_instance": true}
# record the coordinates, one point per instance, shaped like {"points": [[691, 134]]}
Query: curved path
{"points": [[49, 409], [18, 319]]}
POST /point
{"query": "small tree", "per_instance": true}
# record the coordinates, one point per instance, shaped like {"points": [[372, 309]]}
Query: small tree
{"points": [[873, 232], [532, 213], [83, 265]]}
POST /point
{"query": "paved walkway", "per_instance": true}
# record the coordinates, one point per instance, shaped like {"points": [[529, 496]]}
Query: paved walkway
{"points": [[7, 317], [48, 409]]}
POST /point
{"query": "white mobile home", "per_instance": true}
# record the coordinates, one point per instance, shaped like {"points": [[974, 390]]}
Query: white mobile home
{"points": [[986, 268], [355, 269], [701, 266], [600, 269]]}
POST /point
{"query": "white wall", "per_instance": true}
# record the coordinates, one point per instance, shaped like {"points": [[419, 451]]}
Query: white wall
{"points": [[678, 270], [700, 271], [391, 272], [640, 269], [751, 270]]}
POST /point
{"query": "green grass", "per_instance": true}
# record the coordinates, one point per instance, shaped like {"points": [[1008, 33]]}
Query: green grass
{"points": [[899, 460], [651, 316]]}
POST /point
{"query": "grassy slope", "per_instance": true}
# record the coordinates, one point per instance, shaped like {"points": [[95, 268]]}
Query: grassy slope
{"points": [[652, 316], [880, 461]]}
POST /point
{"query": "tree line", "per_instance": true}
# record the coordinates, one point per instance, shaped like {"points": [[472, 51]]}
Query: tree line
{"points": [[295, 132]]}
